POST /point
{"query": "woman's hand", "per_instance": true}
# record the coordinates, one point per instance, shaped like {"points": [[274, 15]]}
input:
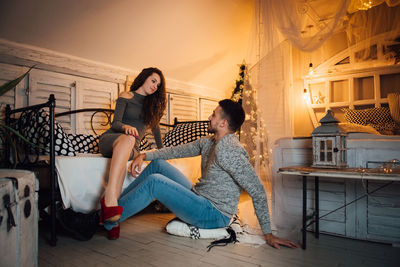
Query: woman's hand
{"points": [[275, 241], [129, 130], [136, 165]]}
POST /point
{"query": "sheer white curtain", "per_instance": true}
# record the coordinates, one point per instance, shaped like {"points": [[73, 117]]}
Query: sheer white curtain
{"points": [[306, 24], [364, 25], [278, 27], [302, 25]]}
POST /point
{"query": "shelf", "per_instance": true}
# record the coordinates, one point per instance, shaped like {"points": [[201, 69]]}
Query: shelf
{"points": [[350, 80], [339, 104], [318, 106], [364, 102], [363, 88]]}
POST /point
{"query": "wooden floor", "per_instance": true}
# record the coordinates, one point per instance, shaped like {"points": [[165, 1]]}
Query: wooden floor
{"points": [[144, 243]]}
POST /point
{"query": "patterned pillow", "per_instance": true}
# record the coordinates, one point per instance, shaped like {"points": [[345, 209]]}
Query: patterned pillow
{"points": [[145, 144], [378, 118], [186, 132], [90, 144], [357, 116], [34, 126], [84, 143], [379, 115]]}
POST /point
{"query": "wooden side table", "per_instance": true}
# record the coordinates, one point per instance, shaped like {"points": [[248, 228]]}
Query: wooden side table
{"points": [[344, 173]]}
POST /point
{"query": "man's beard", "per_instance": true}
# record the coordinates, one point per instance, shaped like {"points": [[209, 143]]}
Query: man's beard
{"points": [[210, 129]]}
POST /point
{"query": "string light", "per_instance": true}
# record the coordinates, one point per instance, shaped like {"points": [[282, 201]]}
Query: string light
{"points": [[252, 135], [364, 5]]}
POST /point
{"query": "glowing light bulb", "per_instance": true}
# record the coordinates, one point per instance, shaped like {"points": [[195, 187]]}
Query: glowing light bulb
{"points": [[306, 96], [311, 69]]}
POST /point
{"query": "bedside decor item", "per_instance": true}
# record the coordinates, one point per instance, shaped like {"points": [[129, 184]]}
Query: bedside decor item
{"points": [[329, 144], [18, 218]]}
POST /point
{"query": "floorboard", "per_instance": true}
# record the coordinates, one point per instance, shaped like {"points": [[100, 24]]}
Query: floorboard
{"points": [[144, 242]]}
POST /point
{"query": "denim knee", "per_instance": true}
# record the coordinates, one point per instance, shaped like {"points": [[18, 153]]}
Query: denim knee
{"points": [[154, 179], [158, 161]]}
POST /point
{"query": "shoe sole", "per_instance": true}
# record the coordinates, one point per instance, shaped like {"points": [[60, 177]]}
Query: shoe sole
{"points": [[113, 218]]}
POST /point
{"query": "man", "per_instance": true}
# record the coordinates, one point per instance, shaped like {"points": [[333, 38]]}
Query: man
{"points": [[211, 203]]}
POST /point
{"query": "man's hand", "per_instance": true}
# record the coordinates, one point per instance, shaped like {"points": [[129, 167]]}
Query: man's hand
{"points": [[136, 165], [275, 241]]}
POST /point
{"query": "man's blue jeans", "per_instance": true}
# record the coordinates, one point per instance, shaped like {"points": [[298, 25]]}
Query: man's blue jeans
{"points": [[160, 180]]}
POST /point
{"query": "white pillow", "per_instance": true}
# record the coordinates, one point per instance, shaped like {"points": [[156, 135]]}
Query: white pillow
{"points": [[179, 228]]}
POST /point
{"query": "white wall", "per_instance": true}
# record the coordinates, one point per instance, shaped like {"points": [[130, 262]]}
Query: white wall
{"points": [[193, 41]]}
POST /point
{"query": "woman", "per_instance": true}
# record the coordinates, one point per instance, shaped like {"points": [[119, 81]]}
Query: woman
{"points": [[135, 111]]}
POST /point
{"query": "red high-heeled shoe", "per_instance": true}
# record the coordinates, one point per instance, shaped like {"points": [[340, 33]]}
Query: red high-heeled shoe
{"points": [[113, 234], [111, 214]]}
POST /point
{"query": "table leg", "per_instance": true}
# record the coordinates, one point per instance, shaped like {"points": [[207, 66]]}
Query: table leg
{"points": [[304, 211], [316, 188]]}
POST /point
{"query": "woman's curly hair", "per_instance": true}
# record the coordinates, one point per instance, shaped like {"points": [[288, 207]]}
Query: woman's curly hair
{"points": [[154, 104]]}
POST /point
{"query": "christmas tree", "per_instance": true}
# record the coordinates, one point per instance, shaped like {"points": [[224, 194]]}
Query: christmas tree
{"points": [[237, 93], [252, 134]]}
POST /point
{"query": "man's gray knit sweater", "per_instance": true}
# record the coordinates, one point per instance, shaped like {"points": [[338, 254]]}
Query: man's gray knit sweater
{"points": [[224, 176]]}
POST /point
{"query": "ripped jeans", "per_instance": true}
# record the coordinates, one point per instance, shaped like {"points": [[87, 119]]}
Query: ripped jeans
{"points": [[162, 181]]}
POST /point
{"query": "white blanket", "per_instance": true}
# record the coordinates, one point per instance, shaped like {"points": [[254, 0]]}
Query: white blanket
{"points": [[82, 180]]}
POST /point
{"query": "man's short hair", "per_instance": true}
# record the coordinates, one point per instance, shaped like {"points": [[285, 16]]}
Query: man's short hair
{"points": [[233, 113]]}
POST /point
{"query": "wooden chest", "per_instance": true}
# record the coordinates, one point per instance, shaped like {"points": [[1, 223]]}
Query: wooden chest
{"points": [[18, 218]]}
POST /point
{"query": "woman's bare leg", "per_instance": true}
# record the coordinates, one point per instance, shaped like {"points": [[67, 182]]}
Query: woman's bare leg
{"points": [[122, 149]]}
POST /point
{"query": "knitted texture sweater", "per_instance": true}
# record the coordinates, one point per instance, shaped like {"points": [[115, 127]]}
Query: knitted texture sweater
{"points": [[225, 172]]}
